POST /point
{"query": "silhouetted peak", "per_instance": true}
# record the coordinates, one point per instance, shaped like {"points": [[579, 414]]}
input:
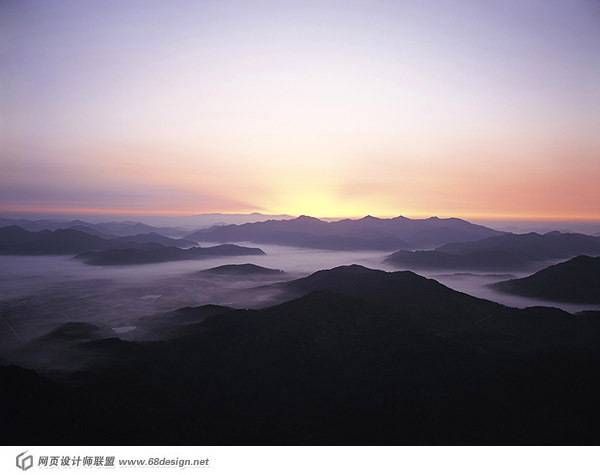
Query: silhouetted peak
{"points": [[355, 274], [351, 269], [370, 218], [307, 219], [241, 269]]}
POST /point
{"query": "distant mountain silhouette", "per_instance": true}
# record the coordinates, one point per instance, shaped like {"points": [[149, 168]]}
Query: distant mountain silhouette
{"points": [[366, 233], [158, 253], [576, 280], [550, 245], [207, 220], [506, 252], [359, 357], [18, 241], [15, 240], [173, 226], [242, 270], [108, 229], [130, 228], [42, 224], [84, 228]]}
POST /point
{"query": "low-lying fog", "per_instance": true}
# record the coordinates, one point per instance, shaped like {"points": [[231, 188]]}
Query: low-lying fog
{"points": [[38, 293]]}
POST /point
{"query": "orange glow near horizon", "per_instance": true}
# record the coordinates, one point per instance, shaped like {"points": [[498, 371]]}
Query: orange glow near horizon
{"points": [[450, 108]]}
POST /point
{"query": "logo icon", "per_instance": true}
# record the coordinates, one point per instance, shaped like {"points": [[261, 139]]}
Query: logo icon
{"points": [[24, 462]]}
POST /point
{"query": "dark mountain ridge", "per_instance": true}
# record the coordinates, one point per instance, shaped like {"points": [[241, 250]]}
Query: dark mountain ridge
{"points": [[242, 270], [506, 252], [358, 357], [106, 229], [15, 240], [18, 241], [537, 246], [362, 356], [576, 280], [158, 253], [349, 234]]}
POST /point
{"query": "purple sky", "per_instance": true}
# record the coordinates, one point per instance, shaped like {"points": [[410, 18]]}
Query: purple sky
{"points": [[470, 108]]}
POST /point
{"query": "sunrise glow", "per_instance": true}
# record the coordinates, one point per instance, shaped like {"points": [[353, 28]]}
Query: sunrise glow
{"points": [[442, 108]]}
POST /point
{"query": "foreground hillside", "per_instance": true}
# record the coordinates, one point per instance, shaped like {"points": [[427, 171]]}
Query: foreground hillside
{"points": [[357, 356]]}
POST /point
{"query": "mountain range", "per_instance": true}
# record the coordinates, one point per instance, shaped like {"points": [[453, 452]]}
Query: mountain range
{"points": [[18, 241], [349, 234], [207, 220], [505, 252], [576, 280], [175, 226], [106, 229]]}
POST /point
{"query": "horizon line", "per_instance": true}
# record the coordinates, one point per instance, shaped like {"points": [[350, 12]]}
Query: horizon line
{"points": [[128, 212]]}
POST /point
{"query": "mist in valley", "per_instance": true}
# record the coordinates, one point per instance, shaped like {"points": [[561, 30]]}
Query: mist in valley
{"points": [[40, 293]]}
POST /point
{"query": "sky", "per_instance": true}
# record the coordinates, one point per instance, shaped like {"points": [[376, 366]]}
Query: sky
{"points": [[487, 109]]}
